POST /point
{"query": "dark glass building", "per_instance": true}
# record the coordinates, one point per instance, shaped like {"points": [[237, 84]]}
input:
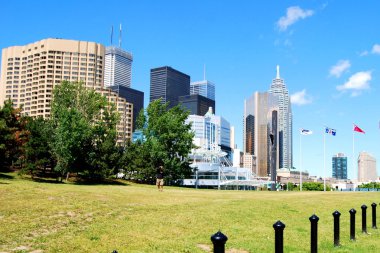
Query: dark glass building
{"points": [[250, 134], [168, 84], [132, 96], [197, 104], [339, 166]]}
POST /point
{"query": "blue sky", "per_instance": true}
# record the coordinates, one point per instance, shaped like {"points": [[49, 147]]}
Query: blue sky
{"points": [[328, 52]]}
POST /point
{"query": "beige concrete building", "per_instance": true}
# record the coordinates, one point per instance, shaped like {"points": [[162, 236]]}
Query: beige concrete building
{"points": [[249, 162], [366, 167], [30, 72]]}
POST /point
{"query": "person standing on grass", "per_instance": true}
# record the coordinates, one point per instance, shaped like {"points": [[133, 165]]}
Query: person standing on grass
{"points": [[160, 178]]}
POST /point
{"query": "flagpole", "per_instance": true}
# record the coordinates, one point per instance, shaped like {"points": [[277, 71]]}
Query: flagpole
{"points": [[353, 153], [324, 161], [300, 161]]}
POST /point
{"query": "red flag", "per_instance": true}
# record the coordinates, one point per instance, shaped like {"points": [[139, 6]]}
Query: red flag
{"points": [[358, 129]]}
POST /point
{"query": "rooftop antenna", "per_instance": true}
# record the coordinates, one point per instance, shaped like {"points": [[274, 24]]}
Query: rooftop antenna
{"points": [[111, 34], [120, 36], [204, 72], [278, 72]]}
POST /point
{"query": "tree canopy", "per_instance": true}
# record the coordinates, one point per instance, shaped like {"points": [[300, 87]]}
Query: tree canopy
{"points": [[84, 131], [167, 141]]}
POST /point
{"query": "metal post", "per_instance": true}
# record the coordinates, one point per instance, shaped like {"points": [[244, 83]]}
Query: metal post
{"points": [[336, 215], [279, 237], [314, 233], [364, 219], [219, 240], [374, 215], [352, 224]]}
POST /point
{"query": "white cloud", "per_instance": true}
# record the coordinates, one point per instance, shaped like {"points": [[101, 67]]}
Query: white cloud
{"points": [[364, 53], [338, 69], [301, 98], [376, 49], [293, 14], [356, 83]]}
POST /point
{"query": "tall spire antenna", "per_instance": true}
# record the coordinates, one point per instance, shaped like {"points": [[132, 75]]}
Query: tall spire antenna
{"points": [[120, 36], [111, 34], [278, 72], [204, 71]]}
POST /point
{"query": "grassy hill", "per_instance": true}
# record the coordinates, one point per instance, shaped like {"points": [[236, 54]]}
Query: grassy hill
{"points": [[50, 217]]}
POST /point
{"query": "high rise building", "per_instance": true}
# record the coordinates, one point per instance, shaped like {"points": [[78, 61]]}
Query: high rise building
{"points": [[204, 88], [285, 121], [197, 104], [168, 84], [29, 74], [135, 97], [339, 166], [257, 125], [366, 167], [118, 67]]}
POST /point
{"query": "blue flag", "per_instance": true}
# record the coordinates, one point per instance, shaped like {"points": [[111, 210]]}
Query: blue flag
{"points": [[330, 131]]}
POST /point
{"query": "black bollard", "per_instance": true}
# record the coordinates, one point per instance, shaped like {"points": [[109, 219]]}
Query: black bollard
{"points": [[374, 215], [314, 233], [336, 215], [364, 219], [352, 224], [279, 237], [115, 251], [219, 240]]}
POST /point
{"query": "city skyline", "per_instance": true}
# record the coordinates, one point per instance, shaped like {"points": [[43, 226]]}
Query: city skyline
{"points": [[329, 62]]}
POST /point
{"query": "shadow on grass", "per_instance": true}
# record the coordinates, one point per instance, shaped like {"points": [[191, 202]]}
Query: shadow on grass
{"points": [[101, 182], [5, 176], [44, 180]]}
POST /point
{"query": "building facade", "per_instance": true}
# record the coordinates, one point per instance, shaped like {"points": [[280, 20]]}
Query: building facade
{"points": [[118, 67], [125, 110], [135, 97], [29, 74], [339, 166], [256, 130], [168, 84], [285, 121], [210, 131], [204, 88], [197, 104], [366, 167]]}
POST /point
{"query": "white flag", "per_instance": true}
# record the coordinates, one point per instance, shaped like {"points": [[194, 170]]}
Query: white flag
{"points": [[306, 132]]}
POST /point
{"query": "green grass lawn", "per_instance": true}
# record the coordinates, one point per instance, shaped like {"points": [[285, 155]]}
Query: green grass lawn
{"points": [[49, 217]]}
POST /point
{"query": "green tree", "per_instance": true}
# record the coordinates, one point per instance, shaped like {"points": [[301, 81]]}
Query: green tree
{"points": [[84, 135], [12, 135], [37, 148], [168, 141], [314, 186]]}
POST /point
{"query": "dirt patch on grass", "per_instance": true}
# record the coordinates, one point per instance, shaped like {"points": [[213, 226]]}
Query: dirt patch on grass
{"points": [[204, 247], [208, 248]]}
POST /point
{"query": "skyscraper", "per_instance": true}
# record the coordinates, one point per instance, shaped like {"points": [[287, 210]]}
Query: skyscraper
{"points": [[257, 127], [118, 67], [135, 97], [285, 121], [197, 104], [29, 74], [204, 88], [366, 167], [339, 166], [168, 84]]}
